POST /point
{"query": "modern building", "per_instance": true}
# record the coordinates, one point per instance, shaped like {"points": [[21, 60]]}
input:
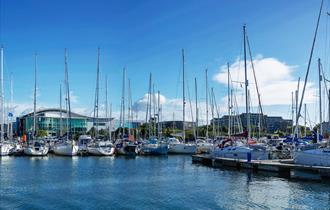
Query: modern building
{"points": [[177, 124], [52, 120], [271, 123]]}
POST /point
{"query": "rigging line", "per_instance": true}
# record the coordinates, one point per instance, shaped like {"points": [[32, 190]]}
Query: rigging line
{"points": [[309, 64], [254, 73], [178, 82], [326, 43], [309, 119], [1, 20], [191, 109], [324, 79]]}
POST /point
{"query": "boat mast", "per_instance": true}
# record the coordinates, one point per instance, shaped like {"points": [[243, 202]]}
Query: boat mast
{"points": [[212, 112], [191, 113], [320, 96], [246, 87], [96, 105], [107, 105], [158, 111], [154, 110], [196, 109], [297, 116], [110, 122], [329, 106], [2, 125], [216, 107], [309, 63], [11, 106], [123, 104], [149, 106], [229, 107], [35, 98], [207, 104], [183, 100], [292, 115], [61, 117], [129, 115], [305, 130], [68, 106]]}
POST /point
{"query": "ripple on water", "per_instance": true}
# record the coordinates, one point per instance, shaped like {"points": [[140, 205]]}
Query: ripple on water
{"points": [[171, 182]]}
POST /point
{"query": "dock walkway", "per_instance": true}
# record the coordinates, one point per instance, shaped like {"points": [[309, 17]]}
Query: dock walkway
{"points": [[283, 168]]}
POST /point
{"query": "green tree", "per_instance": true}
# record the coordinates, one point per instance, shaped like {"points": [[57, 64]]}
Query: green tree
{"points": [[42, 133]]}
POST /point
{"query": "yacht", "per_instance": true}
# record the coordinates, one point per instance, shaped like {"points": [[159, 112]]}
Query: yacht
{"points": [[101, 148], [37, 148], [241, 152], [177, 147], [204, 146], [312, 157], [67, 148], [17, 150], [154, 147], [5, 148], [126, 147], [83, 141]]}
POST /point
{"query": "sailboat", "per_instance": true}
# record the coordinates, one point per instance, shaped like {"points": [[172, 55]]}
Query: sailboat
{"points": [[124, 146], [5, 147], [174, 145], [233, 149], [35, 147], [304, 155], [99, 147], [203, 146], [153, 145], [69, 146]]}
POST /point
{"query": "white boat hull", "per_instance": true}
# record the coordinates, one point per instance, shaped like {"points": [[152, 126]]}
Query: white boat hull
{"points": [[313, 157], [241, 152], [101, 151], [5, 149], [32, 151], [204, 147], [182, 148], [66, 150]]}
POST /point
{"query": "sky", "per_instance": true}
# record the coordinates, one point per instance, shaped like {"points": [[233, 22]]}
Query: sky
{"points": [[147, 37]]}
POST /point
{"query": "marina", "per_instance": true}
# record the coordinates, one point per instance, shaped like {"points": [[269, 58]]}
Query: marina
{"points": [[144, 105], [164, 182]]}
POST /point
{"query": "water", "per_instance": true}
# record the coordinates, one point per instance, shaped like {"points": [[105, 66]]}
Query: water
{"points": [[171, 182]]}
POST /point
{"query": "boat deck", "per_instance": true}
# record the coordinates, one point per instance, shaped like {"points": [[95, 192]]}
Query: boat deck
{"points": [[283, 168]]}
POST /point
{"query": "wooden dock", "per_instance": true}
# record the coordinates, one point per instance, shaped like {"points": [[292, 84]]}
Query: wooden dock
{"points": [[281, 168]]}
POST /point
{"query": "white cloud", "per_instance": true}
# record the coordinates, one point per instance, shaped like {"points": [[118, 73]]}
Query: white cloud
{"points": [[275, 80], [171, 108], [141, 104], [73, 97]]}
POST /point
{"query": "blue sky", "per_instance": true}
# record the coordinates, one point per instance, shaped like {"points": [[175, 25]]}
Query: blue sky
{"points": [[147, 36]]}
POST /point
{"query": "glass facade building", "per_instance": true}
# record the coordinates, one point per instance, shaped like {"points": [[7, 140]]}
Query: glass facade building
{"points": [[50, 120]]}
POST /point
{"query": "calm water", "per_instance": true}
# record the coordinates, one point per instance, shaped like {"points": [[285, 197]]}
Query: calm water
{"points": [[171, 182]]}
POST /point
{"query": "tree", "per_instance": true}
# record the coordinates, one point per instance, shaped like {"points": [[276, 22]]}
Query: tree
{"points": [[92, 131], [42, 133]]}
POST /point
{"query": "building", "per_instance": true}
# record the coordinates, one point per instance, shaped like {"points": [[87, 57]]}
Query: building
{"points": [[271, 123], [177, 125], [51, 121]]}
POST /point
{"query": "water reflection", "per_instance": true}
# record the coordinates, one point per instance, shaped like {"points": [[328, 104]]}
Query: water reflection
{"points": [[148, 182]]}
